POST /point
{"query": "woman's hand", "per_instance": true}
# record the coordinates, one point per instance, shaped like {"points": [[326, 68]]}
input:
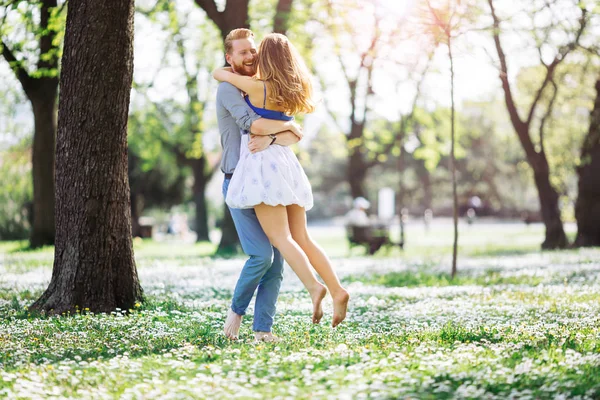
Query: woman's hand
{"points": [[296, 129], [258, 143]]}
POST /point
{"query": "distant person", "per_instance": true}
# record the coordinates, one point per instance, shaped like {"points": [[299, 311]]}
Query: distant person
{"points": [[358, 217], [427, 218], [272, 181]]}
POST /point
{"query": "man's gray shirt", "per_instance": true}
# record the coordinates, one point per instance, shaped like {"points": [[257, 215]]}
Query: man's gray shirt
{"points": [[233, 115]]}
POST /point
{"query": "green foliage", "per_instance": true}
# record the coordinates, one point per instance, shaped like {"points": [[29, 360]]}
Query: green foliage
{"points": [[22, 31], [432, 130], [153, 171], [16, 192]]}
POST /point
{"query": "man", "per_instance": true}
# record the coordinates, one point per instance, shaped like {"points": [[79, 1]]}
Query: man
{"points": [[361, 226], [264, 268], [358, 215]]}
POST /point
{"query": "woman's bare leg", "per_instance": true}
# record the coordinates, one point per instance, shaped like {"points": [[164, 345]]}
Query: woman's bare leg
{"points": [[274, 221], [319, 261]]}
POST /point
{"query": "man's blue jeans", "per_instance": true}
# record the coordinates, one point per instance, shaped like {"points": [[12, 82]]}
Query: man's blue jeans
{"points": [[264, 269]]}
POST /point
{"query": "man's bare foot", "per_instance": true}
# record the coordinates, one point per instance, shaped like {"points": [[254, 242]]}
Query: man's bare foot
{"points": [[232, 325], [266, 337], [317, 297], [340, 305]]}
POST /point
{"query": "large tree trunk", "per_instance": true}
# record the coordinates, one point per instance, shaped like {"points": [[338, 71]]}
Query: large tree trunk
{"points": [[356, 175], [200, 182], [281, 22], [425, 181], [549, 204], [94, 265], [43, 101], [453, 163], [136, 201], [357, 168], [230, 242], [235, 15], [41, 90], [587, 207]]}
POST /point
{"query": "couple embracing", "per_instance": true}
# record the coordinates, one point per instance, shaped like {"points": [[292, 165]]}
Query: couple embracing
{"points": [[265, 186]]}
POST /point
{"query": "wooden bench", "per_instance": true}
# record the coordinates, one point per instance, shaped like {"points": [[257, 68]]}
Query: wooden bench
{"points": [[372, 238]]}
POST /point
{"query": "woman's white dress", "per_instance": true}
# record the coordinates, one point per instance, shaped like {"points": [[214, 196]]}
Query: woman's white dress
{"points": [[273, 176]]}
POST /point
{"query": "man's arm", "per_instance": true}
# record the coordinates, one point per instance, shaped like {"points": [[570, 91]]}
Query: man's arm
{"points": [[265, 126], [231, 99], [229, 96], [260, 143]]}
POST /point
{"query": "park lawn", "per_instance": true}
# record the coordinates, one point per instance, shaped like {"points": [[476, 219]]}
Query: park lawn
{"points": [[520, 324]]}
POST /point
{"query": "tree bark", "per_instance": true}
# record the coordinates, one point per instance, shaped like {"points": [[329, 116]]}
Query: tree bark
{"points": [[200, 182], [548, 196], [136, 202], [234, 15], [41, 92], [453, 162], [94, 265], [230, 242], [43, 101], [549, 205], [281, 21], [357, 173], [587, 207]]}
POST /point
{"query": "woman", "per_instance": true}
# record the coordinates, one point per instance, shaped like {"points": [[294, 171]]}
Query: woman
{"points": [[272, 181]]}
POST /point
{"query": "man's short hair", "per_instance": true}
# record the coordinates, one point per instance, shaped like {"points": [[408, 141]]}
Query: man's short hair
{"points": [[236, 34]]}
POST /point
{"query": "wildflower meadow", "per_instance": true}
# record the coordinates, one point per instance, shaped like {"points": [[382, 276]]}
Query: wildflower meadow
{"points": [[515, 323]]}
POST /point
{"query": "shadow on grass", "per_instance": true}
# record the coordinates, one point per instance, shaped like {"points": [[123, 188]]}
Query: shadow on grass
{"points": [[422, 279], [499, 252], [22, 246]]}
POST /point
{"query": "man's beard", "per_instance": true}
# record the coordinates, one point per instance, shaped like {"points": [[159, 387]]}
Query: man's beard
{"points": [[245, 69]]}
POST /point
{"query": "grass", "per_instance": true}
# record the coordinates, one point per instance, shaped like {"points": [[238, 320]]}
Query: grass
{"points": [[420, 279], [512, 324]]}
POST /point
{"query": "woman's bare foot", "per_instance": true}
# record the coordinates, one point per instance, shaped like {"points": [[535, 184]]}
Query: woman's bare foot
{"points": [[317, 297], [232, 325], [340, 305], [266, 337]]}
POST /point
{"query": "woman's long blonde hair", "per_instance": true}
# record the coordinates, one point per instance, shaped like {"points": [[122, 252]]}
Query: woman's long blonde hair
{"points": [[282, 67]]}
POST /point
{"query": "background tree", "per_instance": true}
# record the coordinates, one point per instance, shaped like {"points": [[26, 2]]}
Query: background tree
{"points": [[364, 52], [155, 179], [94, 265], [185, 120], [445, 26], [235, 14], [536, 151], [15, 161], [25, 23], [587, 208]]}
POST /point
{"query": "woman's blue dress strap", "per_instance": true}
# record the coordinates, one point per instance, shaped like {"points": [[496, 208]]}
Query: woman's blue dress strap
{"points": [[266, 113]]}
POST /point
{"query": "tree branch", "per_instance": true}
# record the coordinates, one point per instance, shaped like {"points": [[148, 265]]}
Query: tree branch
{"points": [[510, 102], [404, 122], [549, 76], [16, 66], [326, 102], [547, 114], [557, 60], [211, 10]]}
